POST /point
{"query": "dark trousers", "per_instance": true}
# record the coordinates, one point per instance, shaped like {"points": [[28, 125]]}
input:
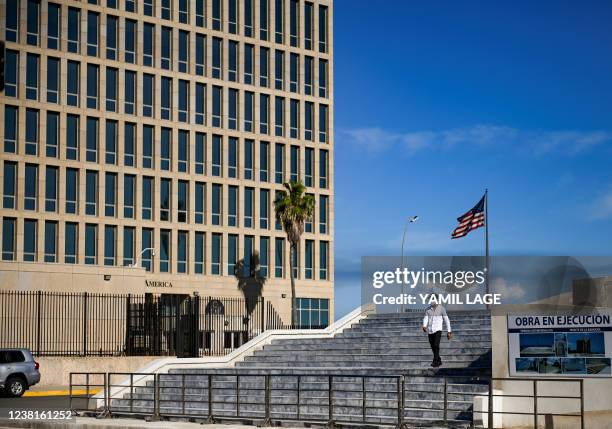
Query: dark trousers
{"points": [[434, 342]]}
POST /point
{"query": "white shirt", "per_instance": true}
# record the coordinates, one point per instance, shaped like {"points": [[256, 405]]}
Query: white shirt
{"points": [[433, 319]]}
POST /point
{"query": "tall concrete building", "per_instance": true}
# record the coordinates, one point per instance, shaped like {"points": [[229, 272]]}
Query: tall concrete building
{"points": [[143, 144]]}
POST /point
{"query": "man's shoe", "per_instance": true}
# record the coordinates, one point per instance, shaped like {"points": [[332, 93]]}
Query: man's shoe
{"points": [[435, 364], [439, 363]]}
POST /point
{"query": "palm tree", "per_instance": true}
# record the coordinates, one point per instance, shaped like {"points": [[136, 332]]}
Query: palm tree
{"points": [[293, 207]]}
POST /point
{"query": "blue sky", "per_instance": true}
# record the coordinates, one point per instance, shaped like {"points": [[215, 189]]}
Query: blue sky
{"points": [[436, 101]]}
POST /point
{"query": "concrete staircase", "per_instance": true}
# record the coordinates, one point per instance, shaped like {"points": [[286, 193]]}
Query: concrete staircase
{"points": [[380, 348]]}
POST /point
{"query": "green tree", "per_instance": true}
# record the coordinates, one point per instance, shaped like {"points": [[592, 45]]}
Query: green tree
{"points": [[293, 207]]}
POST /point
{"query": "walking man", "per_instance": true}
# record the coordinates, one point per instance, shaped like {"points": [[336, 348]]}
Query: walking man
{"points": [[432, 325]]}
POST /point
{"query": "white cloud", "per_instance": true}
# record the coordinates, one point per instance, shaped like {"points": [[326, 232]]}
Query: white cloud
{"points": [[602, 206], [509, 292], [530, 141]]}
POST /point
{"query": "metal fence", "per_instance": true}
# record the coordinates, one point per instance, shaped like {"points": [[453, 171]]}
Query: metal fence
{"points": [[89, 324], [344, 399]]}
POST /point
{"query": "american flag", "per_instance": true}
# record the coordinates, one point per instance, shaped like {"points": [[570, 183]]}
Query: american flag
{"points": [[473, 219]]}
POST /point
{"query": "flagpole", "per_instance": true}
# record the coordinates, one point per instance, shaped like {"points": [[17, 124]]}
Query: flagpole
{"points": [[487, 238]]}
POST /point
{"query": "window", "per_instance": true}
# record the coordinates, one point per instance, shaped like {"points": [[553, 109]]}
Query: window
{"points": [[166, 149], [181, 263], [200, 153], [129, 245], [232, 157], [248, 159], [165, 246], [215, 261], [129, 195], [130, 6], [165, 200], [166, 9], [294, 162], [217, 155], [264, 250], [166, 98], [232, 254], [12, 21], [217, 57], [8, 239], [53, 26], [264, 203], [91, 242], [294, 6], [183, 13], [217, 15], [263, 19], [11, 73], [183, 151], [92, 86], [312, 312], [279, 163], [308, 256], [232, 110], [166, 48], [232, 16], [111, 37], [308, 120], [148, 44], [322, 123], [200, 55], [308, 75], [110, 194], [279, 69], [216, 204], [92, 33], [72, 137], [248, 64], [308, 166], [50, 241], [183, 200], [232, 206], [74, 29], [33, 22], [200, 242], [10, 185], [147, 198], [200, 13], [200, 104], [147, 249], [148, 94], [264, 66], [183, 100], [279, 17], [308, 25], [147, 146], [111, 89], [279, 253], [216, 106], [71, 240], [72, 83], [294, 72], [294, 113], [232, 53], [91, 192], [323, 214], [91, 149], [110, 238], [51, 185], [52, 134], [129, 144], [324, 247], [111, 142], [130, 41], [263, 161], [11, 115], [72, 190], [31, 140], [264, 113], [129, 106], [249, 100], [248, 18], [279, 113], [249, 263], [322, 28], [32, 80], [200, 202], [183, 54], [30, 227], [148, 7], [53, 82], [323, 78]]}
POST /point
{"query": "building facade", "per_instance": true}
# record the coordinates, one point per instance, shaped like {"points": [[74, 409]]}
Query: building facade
{"points": [[143, 144]]}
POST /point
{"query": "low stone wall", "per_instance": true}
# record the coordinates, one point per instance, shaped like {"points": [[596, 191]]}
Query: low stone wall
{"points": [[55, 371]]}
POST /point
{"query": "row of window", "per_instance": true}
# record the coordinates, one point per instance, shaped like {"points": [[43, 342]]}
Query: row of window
{"points": [[174, 200], [169, 11], [177, 150], [230, 106], [159, 252]]}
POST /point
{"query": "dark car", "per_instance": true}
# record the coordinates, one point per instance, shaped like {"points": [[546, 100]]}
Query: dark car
{"points": [[18, 371]]}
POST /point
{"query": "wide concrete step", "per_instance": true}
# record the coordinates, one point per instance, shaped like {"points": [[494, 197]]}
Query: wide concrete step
{"points": [[414, 350], [396, 365], [368, 344], [411, 336], [417, 324], [348, 359]]}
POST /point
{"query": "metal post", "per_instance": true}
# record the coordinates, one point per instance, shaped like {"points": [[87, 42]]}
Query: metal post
{"points": [[299, 377], [128, 322], [490, 406], [330, 402], [445, 400], [211, 418], [363, 399], [267, 418], [263, 314], [132, 394], [238, 396], [581, 404], [38, 320], [535, 404], [156, 398], [85, 324], [400, 400], [183, 391], [403, 401]]}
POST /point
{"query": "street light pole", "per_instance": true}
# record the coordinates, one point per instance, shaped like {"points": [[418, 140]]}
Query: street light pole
{"points": [[135, 264], [410, 220]]}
